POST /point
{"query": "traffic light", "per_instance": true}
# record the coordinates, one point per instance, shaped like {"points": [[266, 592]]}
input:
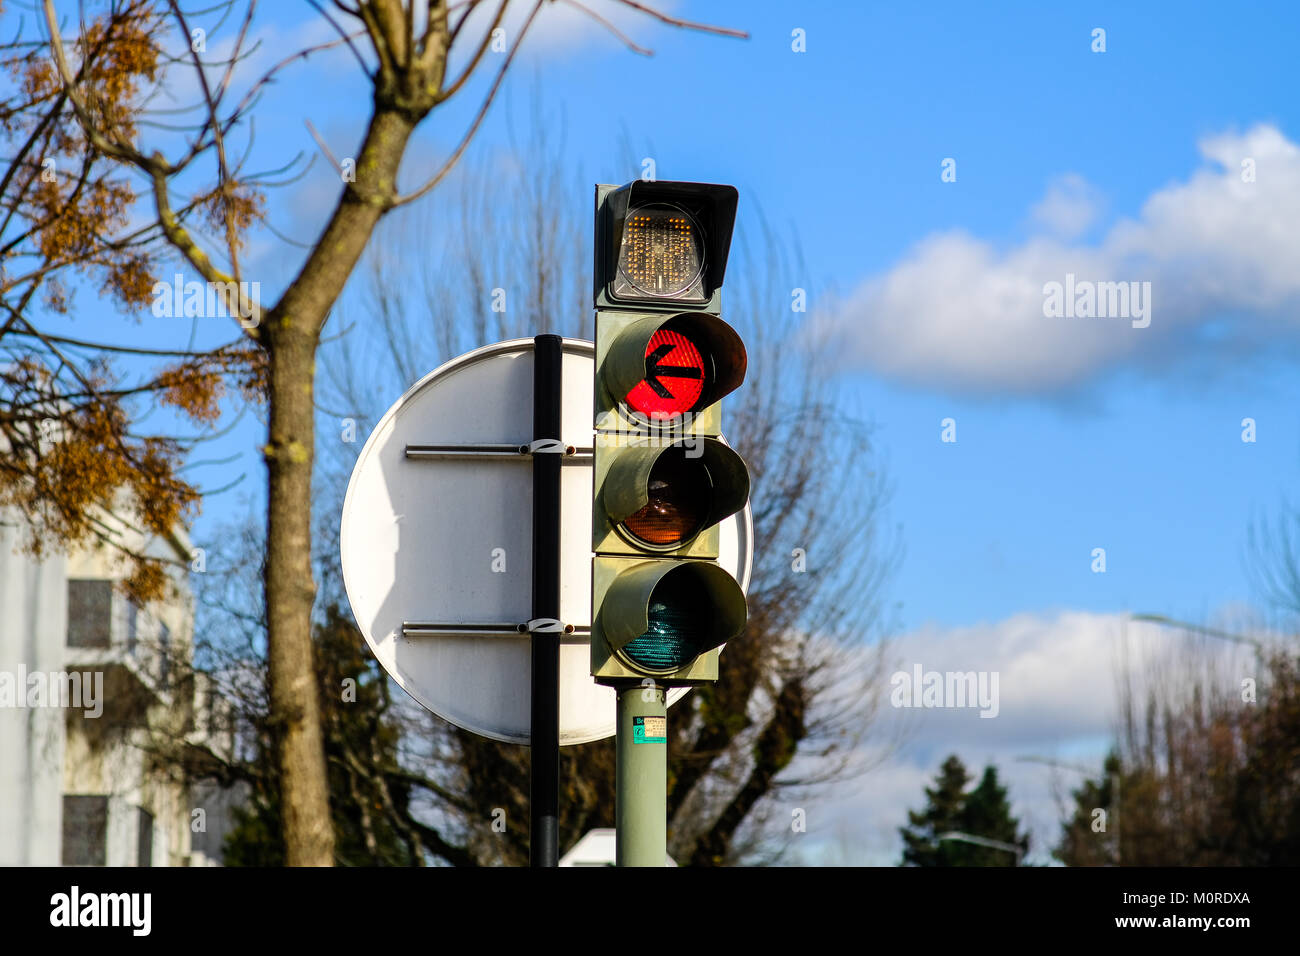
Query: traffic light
{"points": [[664, 479]]}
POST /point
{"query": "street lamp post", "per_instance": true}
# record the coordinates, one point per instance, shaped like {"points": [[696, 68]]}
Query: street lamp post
{"points": [[1197, 628], [960, 837]]}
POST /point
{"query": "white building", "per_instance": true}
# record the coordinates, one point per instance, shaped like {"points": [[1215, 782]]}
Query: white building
{"points": [[89, 683]]}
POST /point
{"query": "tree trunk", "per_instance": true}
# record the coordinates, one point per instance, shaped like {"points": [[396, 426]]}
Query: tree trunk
{"points": [[291, 334], [290, 591]]}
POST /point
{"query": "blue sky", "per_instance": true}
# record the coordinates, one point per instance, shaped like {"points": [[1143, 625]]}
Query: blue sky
{"points": [[1072, 434]]}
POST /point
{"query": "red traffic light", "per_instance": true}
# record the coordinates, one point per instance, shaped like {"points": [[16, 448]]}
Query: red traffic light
{"points": [[674, 377], [662, 371]]}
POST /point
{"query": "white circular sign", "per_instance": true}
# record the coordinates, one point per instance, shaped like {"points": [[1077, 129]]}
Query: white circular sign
{"points": [[450, 541]]}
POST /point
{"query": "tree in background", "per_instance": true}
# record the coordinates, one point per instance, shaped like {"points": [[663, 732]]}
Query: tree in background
{"points": [[1206, 771], [226, 752], [371, 794], [1091, 836], [983, 812], [405, 51], [987, 813], [941, 814]]}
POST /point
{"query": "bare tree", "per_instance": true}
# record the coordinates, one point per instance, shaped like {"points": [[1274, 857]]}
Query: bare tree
{"points": [[405, 51], [1274, 549], [1205, 769]]}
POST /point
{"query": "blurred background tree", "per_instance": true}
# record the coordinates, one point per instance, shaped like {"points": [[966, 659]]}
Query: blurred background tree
{"points": [[1206, 771], [982, 812]]}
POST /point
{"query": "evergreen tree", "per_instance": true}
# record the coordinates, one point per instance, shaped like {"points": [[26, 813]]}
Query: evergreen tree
{"points": [[983, 812], [987, 814], [1090, 837], [941, 814]]}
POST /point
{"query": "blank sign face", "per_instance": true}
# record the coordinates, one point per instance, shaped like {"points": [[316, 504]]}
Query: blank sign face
{"points": [[450, 541]]}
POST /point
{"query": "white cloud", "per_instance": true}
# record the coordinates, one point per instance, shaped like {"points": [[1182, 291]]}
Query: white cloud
{"points": [[960, 312], [1070, 206]]}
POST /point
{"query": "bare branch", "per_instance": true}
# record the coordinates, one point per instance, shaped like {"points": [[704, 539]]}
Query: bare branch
{"points": [[603, 21], [686, 24], [478, 119]]}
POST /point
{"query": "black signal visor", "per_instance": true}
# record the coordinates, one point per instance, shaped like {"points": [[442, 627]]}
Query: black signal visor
{"points": [[684, 208], [664, 497]]}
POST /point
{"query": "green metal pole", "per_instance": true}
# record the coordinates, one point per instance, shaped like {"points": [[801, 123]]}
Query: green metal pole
{"points": [[641, 779]]}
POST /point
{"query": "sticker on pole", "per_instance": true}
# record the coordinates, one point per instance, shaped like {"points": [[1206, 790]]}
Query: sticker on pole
{"points": [[649, 730]]}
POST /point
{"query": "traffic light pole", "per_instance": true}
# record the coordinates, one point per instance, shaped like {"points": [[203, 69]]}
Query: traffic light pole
{"points": [[544, 736], [641, 776]]}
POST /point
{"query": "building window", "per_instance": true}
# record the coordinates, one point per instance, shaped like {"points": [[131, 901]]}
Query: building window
{"points": [[85, 830], [164, 665], [144, 839], [132, 625], [90, 607]]}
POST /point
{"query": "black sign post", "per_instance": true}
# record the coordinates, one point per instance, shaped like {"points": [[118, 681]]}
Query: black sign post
{"points": [[544, 801]]}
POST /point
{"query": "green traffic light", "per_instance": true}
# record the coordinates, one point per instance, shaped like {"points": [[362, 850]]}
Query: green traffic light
{"points": [[679, 625]]}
